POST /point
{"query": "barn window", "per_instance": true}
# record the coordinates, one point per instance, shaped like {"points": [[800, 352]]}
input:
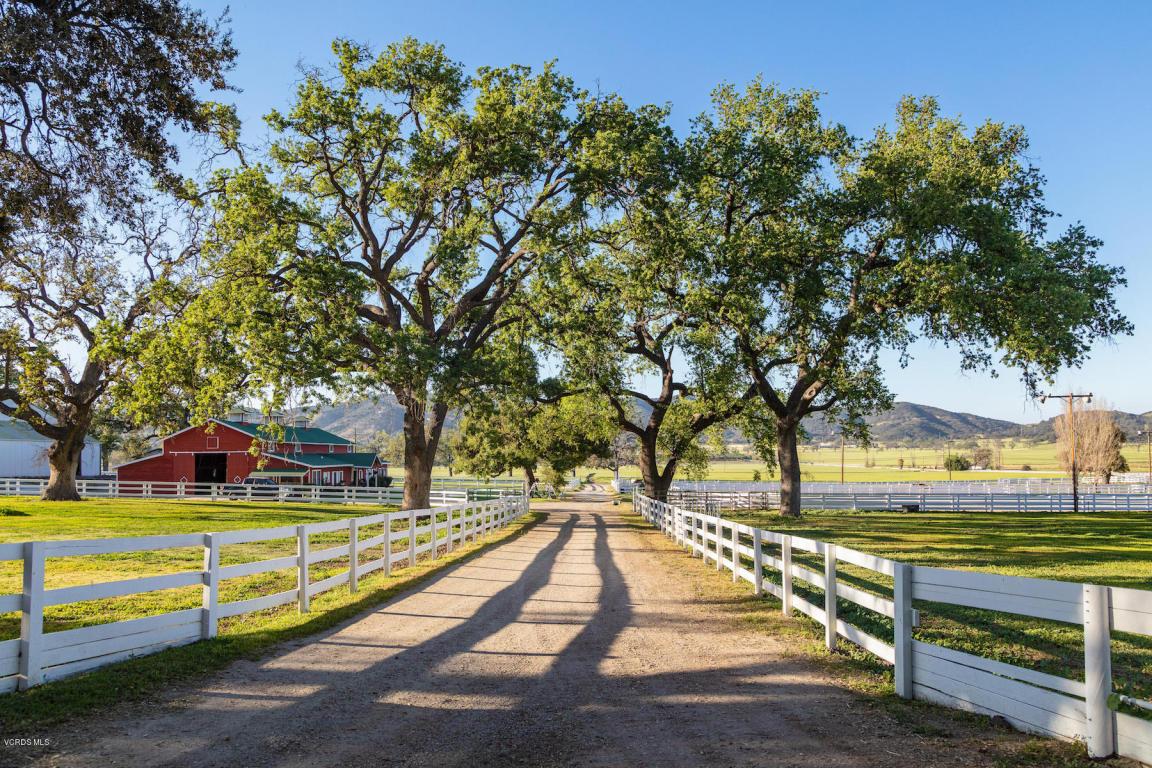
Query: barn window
{"points": [[213, 443], [331, 448]]}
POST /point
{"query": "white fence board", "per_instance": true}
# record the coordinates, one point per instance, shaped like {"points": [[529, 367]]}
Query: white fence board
{"points": [[83, 665], [256, 534], [10, 603], [98, 632], [1029, 708], [118, 643], [82, 547], [1023, 674], [109, 589], [881, 605], [1131, 610], [1134, 737], [320, 555], [258, 603], [324, 585], [257, 566], [870, 643]]}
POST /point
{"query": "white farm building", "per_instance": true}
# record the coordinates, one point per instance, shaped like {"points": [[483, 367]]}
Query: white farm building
{"points": [[24, 452]]}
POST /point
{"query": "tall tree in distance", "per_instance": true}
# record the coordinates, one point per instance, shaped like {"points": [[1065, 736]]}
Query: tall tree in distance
{"points": [[403, 205], [1092, 435], [827, 250]]}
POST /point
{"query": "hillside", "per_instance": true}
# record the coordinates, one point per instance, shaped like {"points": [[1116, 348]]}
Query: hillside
{"points": [[913, 423], [906, 423]]}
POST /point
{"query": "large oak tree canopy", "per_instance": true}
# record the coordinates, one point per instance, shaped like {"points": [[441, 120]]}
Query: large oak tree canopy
{"points": [[93, 259], [819, 250], [402, 206]]}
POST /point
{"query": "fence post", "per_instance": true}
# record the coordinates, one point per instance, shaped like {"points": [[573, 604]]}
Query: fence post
{"points": [[353, 554], [412, 538], [758, 561], [388, 544], [302, 567], [719, 543], [902, 635], [830, 596], [786, 574], [210, 599], [735, 553], [32, 617], [451, 533], [1101, 736]]}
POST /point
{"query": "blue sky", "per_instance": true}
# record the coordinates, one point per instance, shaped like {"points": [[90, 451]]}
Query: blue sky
{"points": [[1076, 75]]}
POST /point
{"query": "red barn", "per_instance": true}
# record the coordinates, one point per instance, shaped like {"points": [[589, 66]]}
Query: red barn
{"points": [[221, 451]]}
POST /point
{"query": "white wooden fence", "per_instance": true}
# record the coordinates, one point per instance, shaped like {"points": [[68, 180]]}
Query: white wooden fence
{"points": [[1047, 485], [1032, 701], [38, 656], [714, 501], [135, 489]]}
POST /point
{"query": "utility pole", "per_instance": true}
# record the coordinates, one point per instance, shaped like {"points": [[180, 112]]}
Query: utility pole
{"points": [[842, 458], [1071, 398], [1147, 434]]}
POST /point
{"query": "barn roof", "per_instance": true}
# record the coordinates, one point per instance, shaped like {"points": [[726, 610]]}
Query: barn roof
{"points": [[321, 460], [310, 435]]}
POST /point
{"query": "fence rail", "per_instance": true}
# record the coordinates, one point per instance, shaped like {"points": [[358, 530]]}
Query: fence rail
{"points": [[135, 489], [1032, 701], [1012, 485], [715, 501], [38, 656]]}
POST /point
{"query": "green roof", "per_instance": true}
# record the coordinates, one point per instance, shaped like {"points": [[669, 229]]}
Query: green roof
{"points": [[278, 473], [312, 435], [320, 460]]}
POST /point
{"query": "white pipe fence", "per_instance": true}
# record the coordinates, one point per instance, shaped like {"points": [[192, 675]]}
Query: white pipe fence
{"points": [[331, 494], [38, 656], [715, 501], [1032, 701]]}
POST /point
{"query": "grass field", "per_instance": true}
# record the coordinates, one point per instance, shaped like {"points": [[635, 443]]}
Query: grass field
{"points": [[1107, 548], [244, 636], [881, 464], [23, 519]]}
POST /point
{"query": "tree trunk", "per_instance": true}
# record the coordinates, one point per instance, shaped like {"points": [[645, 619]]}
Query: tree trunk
{"points": [[788, 456], [656, 483], [421, 436], [530, 477], [63, 464]]}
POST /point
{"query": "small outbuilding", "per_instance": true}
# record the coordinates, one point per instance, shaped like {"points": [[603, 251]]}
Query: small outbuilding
{"points": [[24, 452]]}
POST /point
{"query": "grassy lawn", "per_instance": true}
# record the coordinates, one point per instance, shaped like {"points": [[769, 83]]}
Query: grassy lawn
{"points": [[1112, 548], [244, 636]]}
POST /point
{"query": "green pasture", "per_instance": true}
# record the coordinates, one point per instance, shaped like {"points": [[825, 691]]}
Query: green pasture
{"points": [[23, 519], [1111, 548]]}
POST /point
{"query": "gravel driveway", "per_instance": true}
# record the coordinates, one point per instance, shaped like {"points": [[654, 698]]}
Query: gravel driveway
{"points": [[574, 644]]}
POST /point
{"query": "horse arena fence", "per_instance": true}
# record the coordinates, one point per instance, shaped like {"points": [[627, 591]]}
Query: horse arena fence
{"points": [[38, 656], [1030, 700]]}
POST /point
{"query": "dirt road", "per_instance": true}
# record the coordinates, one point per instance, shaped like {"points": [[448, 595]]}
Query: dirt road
{"points": [[574, 644]]}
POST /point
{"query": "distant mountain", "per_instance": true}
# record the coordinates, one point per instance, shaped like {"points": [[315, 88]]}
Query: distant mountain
{"points": [[909, 423], [915, 423], [364, 419], [912, 423]]}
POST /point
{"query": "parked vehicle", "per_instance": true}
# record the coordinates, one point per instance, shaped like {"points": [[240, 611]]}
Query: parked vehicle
{"points": [[262, 487]]}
